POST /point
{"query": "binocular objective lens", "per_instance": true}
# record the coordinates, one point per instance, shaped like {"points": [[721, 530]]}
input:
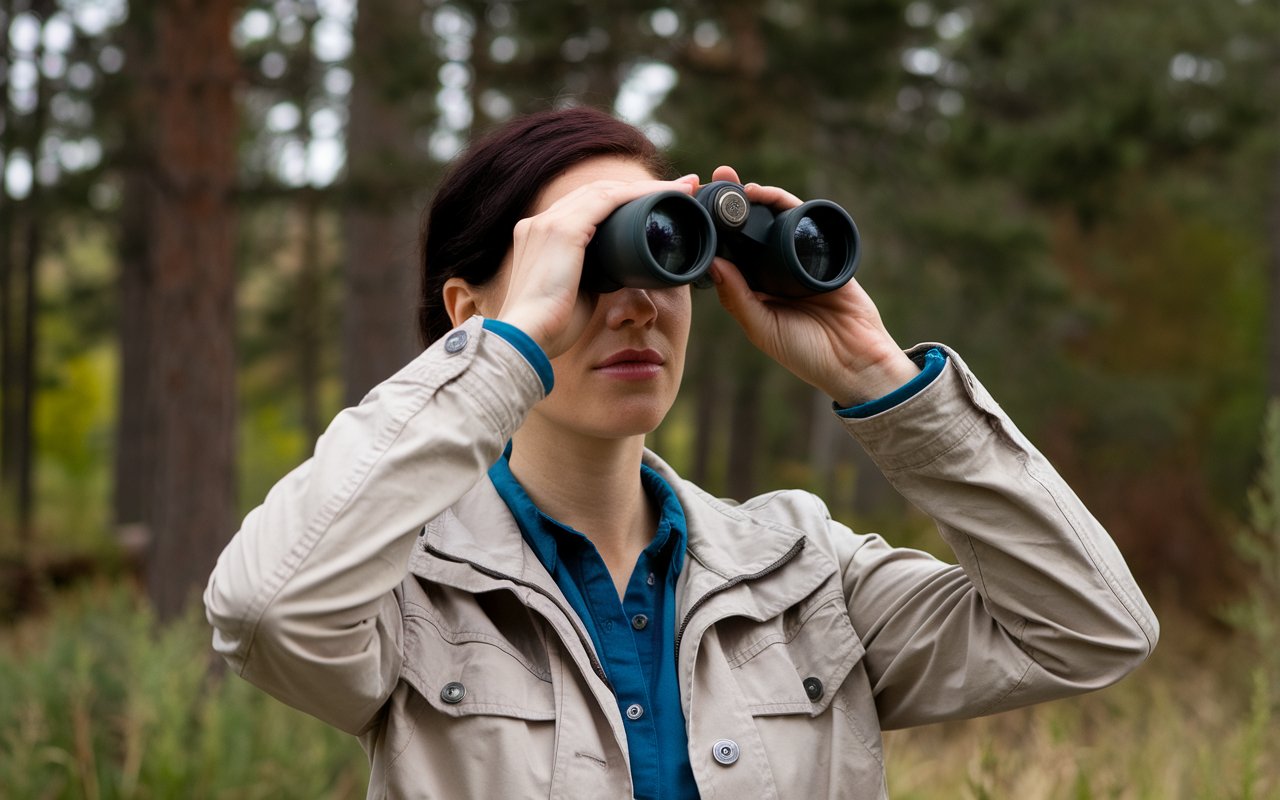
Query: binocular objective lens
{"points": [[673, 242], [814, 250]]}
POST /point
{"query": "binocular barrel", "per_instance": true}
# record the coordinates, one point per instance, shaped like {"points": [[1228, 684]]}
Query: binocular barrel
{"points": [[670, 238]]}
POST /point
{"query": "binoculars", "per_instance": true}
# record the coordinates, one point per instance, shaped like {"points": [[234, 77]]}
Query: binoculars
{"points": [[670, 238]]}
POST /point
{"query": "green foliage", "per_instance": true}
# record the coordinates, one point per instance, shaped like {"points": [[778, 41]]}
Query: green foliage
{"points": [[1258, 544], [100, 702]]}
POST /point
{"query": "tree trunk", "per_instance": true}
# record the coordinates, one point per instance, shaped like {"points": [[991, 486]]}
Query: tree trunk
{"points": [[21, 313], [136, 407], [133, 458], [744, 428], [309, 305], [380, 218], [707, 410], [8, 315], [1273, 305], [192, 365], [27, 372]]}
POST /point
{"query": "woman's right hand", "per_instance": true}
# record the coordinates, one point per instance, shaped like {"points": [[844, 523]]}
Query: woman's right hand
{"points": [[544, 266]]}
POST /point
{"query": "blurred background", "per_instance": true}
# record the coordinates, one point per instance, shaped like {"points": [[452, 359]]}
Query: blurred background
{"points": [[208, 223]]}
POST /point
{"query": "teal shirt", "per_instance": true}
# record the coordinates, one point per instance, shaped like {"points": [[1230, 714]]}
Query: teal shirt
{"points": [[634, 637]]}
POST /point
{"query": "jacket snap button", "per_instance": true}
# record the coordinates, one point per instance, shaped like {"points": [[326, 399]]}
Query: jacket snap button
{"points": [[635, 711], [455, 341], [453, 692], [639, 621], [725, 751], [813, 688]]}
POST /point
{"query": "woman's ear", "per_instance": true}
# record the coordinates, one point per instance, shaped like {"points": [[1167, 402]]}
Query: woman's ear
{"points": [[461, 300]]}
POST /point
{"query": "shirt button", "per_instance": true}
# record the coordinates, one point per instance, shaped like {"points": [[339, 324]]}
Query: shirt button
{"points": [[651, 580], [635, 711], [455, 342], [453, 692], [725, 751], [639, 622], [813, 688]]}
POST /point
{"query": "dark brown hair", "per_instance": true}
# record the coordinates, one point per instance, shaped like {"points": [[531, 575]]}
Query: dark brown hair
{"points": [[467, 230]]}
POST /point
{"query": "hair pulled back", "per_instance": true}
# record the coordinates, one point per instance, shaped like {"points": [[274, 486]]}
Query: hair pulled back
{"points": [[493, 185]]}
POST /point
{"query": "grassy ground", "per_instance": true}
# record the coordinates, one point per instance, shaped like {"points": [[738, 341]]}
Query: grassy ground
{"points": [[96, 702], [1197, 722]]}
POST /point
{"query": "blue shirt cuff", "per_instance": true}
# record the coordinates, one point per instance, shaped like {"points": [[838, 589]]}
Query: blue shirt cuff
{"points": [[933, 362], [526, 347]]}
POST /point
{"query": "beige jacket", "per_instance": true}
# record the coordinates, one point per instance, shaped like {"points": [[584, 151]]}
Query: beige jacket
{"points": [[451, 653]]}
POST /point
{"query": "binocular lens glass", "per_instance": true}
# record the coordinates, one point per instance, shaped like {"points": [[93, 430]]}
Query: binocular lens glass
{"points": [[814, 249], [674, 240]]}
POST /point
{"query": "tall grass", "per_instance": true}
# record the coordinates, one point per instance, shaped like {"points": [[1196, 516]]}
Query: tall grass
{"points": [[1185, 726], [97, 702]]}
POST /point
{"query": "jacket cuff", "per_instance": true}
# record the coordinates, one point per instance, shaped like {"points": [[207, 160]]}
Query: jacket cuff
{"points": [[527, 348], [933, 421], [930, 363], [502, 385]]}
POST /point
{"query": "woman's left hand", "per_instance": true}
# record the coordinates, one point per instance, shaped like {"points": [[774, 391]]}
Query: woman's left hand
{"points": [[834, 341]]}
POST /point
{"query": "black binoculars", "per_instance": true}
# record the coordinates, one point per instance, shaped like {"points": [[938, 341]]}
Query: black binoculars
{"points": [[670, 238]]}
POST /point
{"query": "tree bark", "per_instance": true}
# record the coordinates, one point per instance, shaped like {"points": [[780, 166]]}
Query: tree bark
{"points": [[136, 407], [744, 428], [1273, 271], [8, 315], [309, 305], [380, 219], [192, 364], [21, 311]]}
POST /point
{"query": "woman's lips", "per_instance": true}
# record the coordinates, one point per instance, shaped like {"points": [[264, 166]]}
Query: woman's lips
{"points": [[633, 365]]}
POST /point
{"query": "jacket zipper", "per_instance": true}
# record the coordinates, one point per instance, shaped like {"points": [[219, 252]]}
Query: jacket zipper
{"points": [[569, 615], [732, 582]]}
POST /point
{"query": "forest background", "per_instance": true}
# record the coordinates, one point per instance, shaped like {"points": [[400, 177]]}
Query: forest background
{"points": [[208, 221]]}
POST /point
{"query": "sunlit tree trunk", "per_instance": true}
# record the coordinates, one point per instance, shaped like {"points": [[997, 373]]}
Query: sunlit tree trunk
{"points": [[192, 369]]}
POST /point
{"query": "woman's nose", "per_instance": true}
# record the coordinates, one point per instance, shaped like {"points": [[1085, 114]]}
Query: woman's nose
{"points": [[629, 306]]}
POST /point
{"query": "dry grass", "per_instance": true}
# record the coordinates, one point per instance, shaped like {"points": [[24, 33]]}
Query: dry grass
{"points": [[1196, 721], [97, 702]]}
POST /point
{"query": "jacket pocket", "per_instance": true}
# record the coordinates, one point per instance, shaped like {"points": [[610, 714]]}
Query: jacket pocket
{"points": [[464, 673], [795, 663], [474, 716], [804, 682]]}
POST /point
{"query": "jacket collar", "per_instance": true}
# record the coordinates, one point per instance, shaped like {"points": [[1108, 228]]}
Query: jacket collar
{"points": [[726, 541], [479, 529], [724, 544]]}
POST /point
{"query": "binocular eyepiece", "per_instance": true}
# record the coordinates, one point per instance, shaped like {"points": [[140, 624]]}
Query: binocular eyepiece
{"points": [[670, 238]]}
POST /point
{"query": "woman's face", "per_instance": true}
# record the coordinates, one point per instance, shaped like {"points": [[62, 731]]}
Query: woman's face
{"points": [[622, 375]]}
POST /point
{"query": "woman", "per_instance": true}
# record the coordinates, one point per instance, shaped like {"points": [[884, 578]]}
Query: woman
{"points": [[485, 576]]}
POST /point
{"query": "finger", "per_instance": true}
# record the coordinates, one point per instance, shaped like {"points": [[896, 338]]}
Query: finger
{"points": [[691, 179], [725, 173], [595, 201], [771, 196], [738, 298]]}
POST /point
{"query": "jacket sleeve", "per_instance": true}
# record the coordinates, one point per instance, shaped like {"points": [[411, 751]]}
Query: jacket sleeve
{"points": [[1041, 605], [302, 600]]}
